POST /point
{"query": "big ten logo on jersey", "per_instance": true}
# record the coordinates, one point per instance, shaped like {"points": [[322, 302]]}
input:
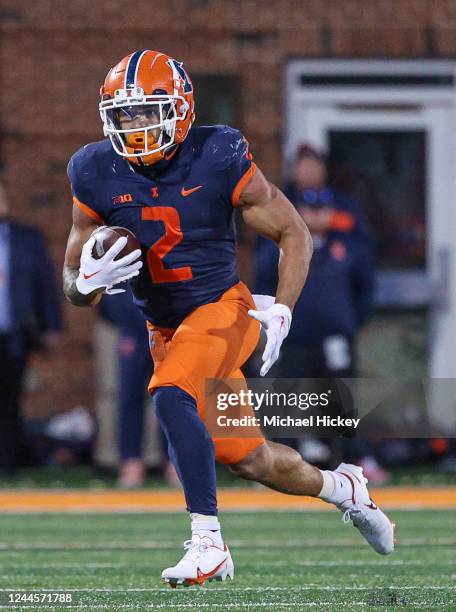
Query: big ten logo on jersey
{"points": [[122, 199]]}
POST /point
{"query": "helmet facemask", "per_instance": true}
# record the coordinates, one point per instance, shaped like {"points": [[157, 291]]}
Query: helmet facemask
{"points": [[142, 127]]}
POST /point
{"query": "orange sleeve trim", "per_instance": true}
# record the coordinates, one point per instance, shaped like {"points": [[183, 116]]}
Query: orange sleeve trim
{"points": [[342, 221], [245, 178], [87, 210]]}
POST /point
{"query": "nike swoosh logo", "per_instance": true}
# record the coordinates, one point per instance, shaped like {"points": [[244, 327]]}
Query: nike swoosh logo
{"points": [[204, 576], [372, 506], [352, 484], [187, 192], [87, 276]]}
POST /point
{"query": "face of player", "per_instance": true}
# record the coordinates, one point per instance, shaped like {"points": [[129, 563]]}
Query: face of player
{"points": [[310, 173], [142, 118], [139, 117]]}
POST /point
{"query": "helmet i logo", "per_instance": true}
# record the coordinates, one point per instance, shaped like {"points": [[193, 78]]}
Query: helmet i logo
{"points": [[183, 76]]}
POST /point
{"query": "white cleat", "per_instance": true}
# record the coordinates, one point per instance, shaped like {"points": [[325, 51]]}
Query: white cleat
{"points": [[202, 561], [367, 517]]}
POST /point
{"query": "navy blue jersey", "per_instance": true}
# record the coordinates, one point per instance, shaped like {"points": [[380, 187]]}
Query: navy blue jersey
{"points": [[183, 216]]}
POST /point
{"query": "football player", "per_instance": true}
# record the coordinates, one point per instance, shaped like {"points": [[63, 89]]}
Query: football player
{"points": [[176, 187]]}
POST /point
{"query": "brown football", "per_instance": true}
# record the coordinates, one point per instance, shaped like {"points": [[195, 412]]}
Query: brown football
{"points": [[107, 236]]}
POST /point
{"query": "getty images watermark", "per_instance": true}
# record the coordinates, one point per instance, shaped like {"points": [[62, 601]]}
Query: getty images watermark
{"points": [[258, 402], [363, 407]]}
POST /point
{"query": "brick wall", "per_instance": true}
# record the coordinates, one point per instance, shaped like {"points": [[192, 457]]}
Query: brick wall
{"points": [[54, 56]]}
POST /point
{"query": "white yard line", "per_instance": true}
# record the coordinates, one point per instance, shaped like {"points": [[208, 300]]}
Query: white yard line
{"points": [[212, 606], [232, 589], [332, 563], [162, 545], [169, 606]]}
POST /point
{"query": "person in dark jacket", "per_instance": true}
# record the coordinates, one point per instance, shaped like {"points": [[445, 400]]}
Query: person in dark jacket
{"points": [[327, 210], [30, 319], [337, 298]]}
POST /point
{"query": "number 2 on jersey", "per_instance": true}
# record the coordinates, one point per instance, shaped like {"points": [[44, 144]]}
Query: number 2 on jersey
{"points": [[172, 236]]}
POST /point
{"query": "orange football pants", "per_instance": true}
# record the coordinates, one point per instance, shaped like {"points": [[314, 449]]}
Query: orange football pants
{"points": [[214, 341]]}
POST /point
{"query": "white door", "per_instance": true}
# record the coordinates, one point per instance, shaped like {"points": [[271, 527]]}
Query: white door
{"points": [[413, 116]]}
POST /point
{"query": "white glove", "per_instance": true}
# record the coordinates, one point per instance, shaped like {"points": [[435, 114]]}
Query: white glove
{"points": [[276, 320], [262, 302], [107, 271]]}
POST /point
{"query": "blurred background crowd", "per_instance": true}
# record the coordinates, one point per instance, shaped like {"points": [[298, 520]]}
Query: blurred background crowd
{"points": [[348, 107]]}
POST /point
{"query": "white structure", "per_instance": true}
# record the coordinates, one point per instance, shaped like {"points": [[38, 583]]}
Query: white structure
{"points": [[371, 95]]}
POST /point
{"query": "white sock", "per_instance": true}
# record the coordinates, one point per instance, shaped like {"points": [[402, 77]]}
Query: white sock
{"points": [[336, 487], [329, 486], [208, 526]]}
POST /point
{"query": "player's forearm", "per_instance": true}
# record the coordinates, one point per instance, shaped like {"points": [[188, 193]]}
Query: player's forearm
{"points": [[296, 250], [71, 292]]}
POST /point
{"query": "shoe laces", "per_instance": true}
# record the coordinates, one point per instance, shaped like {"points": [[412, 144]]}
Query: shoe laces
{"points": [[357, 514], [195, 548]]}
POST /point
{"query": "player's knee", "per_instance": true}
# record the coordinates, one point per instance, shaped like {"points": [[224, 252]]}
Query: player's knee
{"points": [[254, 466]]}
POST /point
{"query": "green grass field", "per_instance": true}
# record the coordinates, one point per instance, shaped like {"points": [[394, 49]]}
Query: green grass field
{"points": [[284, 561]]}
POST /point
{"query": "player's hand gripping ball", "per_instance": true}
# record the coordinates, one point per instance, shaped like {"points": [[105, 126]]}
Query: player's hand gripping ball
{"points": [[110, 256]]}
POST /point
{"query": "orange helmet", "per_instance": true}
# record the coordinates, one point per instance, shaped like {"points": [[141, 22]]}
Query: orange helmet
{"points": [[146, 106]]}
